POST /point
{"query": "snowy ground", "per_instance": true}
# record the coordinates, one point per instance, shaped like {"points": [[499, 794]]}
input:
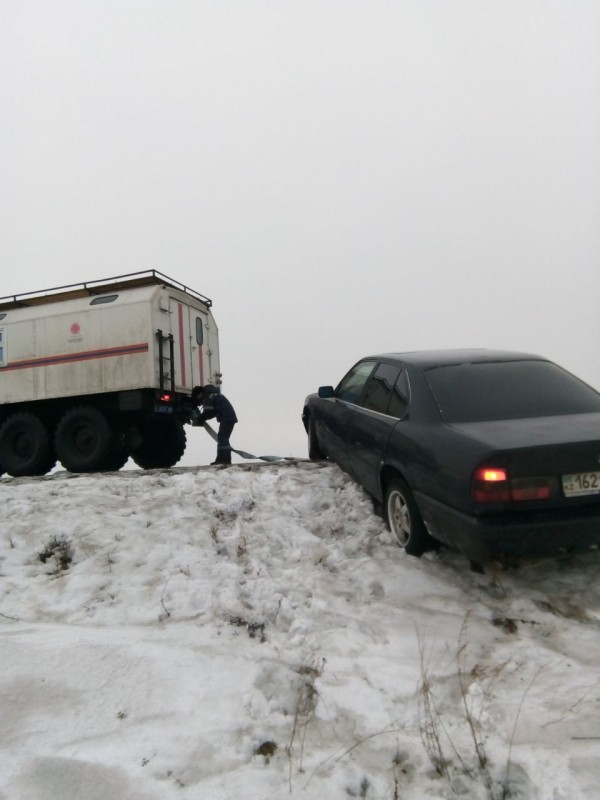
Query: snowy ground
{"points": [[253, 633]]}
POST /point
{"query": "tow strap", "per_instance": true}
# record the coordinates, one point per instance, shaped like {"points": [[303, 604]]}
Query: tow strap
{"points": [[213, 434]]}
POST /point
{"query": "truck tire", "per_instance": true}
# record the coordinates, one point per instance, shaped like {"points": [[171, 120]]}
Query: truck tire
{"points": [[162, 444], [86, 441], [26, 446], [119, 457]]}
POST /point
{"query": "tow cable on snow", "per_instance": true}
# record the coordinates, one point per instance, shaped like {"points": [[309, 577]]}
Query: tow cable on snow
{"points": [[213, 434]]}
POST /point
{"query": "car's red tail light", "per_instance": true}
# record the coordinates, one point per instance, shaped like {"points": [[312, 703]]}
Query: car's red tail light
{"points": [[530, 489], [494, 485], [490, 485], [492, 475]]}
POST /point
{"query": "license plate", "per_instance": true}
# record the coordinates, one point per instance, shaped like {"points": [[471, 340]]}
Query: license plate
{"points": [[581, 483]]}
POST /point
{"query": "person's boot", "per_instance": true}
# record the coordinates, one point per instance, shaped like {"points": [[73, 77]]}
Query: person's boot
{"points": [[223, 457], [223, 462]]}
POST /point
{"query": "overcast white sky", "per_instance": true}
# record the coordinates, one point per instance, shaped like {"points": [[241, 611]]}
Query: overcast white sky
{"points": [[340, 177]]}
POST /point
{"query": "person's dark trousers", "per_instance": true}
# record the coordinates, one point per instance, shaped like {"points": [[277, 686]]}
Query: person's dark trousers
{"points": [[223, 445]]}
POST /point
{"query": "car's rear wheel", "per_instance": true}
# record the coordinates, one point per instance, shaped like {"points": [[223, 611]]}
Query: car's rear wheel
{"points": [[314, 451], [404, 520]]}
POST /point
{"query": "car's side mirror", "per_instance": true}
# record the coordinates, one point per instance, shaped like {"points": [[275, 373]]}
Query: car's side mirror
{"points": [[325, 391]]}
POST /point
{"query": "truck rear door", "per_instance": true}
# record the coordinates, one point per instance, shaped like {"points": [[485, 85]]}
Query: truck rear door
{"points": [[189, 328]]}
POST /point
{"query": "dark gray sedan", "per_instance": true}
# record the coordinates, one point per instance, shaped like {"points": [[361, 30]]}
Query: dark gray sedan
{"points": [[495, 454]]}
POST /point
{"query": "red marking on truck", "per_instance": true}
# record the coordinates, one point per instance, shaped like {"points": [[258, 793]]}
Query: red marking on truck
{"points": [[85, 355], [75, 328], [181, 350]]}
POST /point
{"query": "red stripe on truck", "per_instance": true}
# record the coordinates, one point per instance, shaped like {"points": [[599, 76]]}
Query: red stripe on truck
{"points": [[181, 348], [84, 355]]}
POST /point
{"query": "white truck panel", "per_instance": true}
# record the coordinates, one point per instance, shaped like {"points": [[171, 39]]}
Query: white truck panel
{"points": [[82, 345]]}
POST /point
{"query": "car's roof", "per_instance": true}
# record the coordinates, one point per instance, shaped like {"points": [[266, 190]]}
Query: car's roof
{"points": [[426, 359]]}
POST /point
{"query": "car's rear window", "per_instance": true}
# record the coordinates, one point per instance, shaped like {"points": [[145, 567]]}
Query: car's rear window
{"points": [[508, 390]]}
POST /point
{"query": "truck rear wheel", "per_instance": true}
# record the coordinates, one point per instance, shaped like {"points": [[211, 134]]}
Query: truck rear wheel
{"points": [[162, 444], [120, 456], [119, 460], [26, 446], [86, 441]]}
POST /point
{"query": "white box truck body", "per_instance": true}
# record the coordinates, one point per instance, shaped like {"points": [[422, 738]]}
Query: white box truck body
{"points": [[95, 372]]}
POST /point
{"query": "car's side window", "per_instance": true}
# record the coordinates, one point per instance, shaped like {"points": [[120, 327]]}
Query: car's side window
{"points": [[400, 396], [379, 388], [351, 386]]}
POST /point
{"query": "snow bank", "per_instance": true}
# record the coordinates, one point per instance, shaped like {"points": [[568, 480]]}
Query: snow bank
{"points": [[253, 632]]}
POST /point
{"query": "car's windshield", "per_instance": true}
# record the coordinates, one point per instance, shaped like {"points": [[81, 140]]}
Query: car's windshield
{"points": [[508, 390]]}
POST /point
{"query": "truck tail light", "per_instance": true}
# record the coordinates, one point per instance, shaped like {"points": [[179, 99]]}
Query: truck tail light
{"points": [[166, 397], [494, 485]]}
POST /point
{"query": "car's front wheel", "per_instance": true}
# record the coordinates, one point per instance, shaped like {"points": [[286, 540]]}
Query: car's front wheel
{"points": [[314, 451], [404, 520]]}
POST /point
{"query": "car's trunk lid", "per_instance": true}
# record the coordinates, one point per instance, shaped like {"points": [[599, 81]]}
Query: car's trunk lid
{"points": [[556, 445]]}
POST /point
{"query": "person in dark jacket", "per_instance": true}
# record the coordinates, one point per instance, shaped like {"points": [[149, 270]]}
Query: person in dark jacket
{"points": [[215, 404]]}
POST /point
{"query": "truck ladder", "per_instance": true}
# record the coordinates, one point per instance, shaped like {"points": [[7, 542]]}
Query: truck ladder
{"points": [[166, 359]]}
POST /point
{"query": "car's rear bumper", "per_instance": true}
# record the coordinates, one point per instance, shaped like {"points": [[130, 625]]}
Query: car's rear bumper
{"points": [[482, 538]]}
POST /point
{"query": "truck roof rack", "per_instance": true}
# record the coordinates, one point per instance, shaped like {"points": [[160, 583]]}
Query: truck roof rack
{"points": [[131, 280]]}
